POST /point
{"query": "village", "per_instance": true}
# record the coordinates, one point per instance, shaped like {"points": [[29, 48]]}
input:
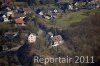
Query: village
{"points": [[23, 25]]}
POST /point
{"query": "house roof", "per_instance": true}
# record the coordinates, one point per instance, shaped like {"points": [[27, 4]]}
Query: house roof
{"points": [[19, 20], [32, 38], [57, 38], [10, 13], [4, 16], [50, 33]]}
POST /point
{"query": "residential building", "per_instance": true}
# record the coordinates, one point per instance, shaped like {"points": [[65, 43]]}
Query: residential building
{"points": [[5, 18], [54, 40], [20, 21], [32, 38], [10, 13], [58, 40]]}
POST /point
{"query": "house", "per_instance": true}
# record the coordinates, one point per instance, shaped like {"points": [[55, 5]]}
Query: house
{"points": [[53, 41], [57, 40], [51, 34], [20, 21], [98, 6], [5, 18], [70, 7], [10, 13], [76, 4], [32, 38], [47, 17], [39, 12], [55, 10]]}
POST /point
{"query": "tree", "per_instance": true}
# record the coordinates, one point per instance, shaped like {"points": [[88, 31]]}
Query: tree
{"points": [[3, 27], [0, 3], [56, 1]]}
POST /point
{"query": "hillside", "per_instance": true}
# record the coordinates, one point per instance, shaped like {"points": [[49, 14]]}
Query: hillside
{"points": [[47, 34], [81, 39]]}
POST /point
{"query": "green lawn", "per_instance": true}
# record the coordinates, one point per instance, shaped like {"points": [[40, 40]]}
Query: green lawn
{"points": [[70, 18], [20, 3], [4, 25], [66, 20]]}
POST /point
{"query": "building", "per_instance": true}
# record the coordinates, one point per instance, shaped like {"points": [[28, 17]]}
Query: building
{"points": [[32, 38], [20, 21], [5, 18], [51, 34], [57, 40], [54, 40], [10, 13]]}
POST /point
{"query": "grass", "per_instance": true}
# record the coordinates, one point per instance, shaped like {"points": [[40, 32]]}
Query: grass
{"points": [[70, 18], [95, 11], [66, 19], [4, 25], [20, 3]]}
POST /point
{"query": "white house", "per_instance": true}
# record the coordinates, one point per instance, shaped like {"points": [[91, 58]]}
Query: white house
{"points": [[47, 17], [98, 6], [41, 13], [10, 13], [70, 7], [76, 4], [55, 10], [5, 18], [32, 38]]}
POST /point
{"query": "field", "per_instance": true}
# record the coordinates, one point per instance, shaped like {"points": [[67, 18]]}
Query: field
{"points": [[65, 19]]}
